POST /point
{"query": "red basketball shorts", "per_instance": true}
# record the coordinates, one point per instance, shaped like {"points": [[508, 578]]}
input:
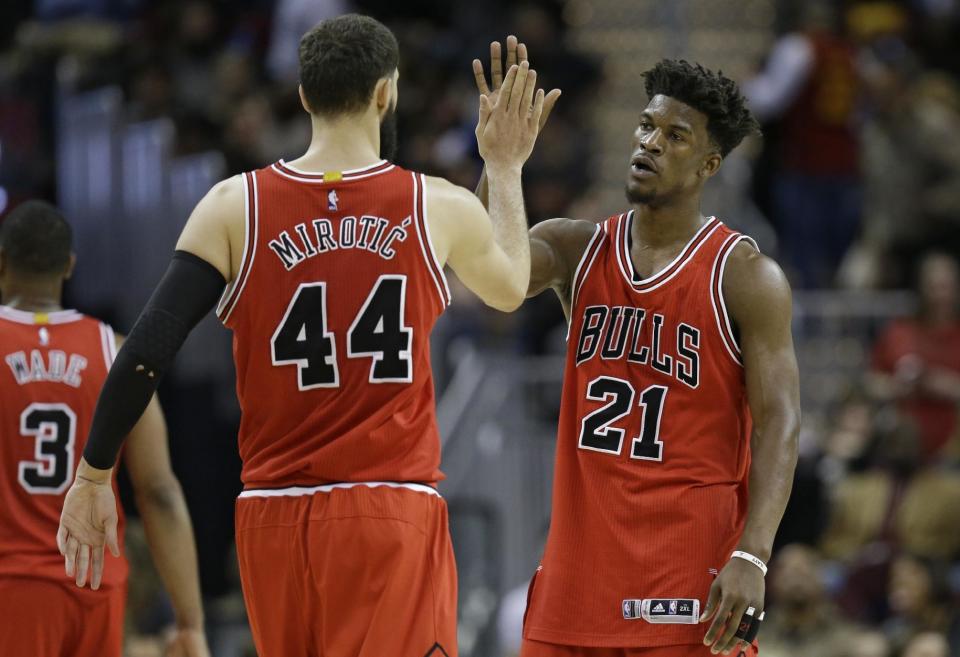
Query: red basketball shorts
{"points": [[46, 618], [539, 649], [348, 570]]}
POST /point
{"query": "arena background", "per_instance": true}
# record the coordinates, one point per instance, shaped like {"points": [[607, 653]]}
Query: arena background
{"points": [[125, 112]]}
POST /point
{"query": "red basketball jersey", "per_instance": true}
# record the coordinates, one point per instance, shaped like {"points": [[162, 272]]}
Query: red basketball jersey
{"points": [[649, 494], [54, 365], [331, 313]]}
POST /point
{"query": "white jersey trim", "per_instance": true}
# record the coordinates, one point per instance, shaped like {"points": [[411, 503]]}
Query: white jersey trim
{"points": [[659, 279], [317, 176], [30, 317], [226, 305], [724, 325], [423, 237], [300, 491], [578, 279], [108, 342]]}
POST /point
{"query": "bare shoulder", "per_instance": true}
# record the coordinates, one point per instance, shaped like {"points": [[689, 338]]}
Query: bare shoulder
{"points": [[754, 285], [446, 195], [216, 228], [568, 238]]}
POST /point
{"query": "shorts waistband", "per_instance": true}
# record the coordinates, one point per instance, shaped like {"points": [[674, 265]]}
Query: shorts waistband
{"points": [[298, 491]]}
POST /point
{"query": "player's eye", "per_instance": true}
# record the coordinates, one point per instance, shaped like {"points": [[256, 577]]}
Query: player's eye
{"points": [[646, 125], [675, 136]]}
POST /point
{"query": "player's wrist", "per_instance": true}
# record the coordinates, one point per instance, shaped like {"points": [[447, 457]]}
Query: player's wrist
{"points": [[88, 473], [496, 170], [748, 557]]}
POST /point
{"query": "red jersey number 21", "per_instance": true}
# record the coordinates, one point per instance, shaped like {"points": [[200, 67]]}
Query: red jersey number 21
{"points": [[598, 432]]}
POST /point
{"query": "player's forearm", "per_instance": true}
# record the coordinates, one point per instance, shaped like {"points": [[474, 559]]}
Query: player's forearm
{"points": [[482, 191], [774, 459], [510, 230], [169, 532]]}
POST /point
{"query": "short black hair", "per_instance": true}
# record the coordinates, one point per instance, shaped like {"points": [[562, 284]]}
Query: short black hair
{"points": [[36, 239], [341, 60], [728, 118]]}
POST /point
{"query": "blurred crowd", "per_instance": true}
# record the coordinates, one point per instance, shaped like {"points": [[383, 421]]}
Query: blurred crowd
{"points": [[858, 175]]}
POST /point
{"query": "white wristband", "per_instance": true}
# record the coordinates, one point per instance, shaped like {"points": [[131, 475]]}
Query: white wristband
{"points": [[756, 561]]}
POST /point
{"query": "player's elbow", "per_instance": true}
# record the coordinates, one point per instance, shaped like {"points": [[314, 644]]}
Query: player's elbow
{"points": [[163, 495], [508, 300]]}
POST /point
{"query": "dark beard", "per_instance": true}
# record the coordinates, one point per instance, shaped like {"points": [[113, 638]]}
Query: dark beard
{"points": [[388, 135], [637, 198]]}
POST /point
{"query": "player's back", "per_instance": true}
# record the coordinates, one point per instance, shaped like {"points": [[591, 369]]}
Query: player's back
{"points": [[54, 365], [332, 310]]}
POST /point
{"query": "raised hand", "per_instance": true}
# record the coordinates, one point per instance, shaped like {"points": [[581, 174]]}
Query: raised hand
{"points": [[507, 128], [88, 523], [738, 587], [516, 54]]}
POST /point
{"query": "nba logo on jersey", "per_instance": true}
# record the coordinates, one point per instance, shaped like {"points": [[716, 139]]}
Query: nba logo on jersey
{"points": [[332, 200], [673, 607]]}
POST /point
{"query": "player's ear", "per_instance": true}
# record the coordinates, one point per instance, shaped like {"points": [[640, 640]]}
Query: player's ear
{"points": [[383, 94], [711, 164], [303, 99], [71, 264]]}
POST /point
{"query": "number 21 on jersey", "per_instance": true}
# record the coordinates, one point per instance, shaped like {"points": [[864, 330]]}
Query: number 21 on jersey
{"points": [[596, 431], [378, 332]]}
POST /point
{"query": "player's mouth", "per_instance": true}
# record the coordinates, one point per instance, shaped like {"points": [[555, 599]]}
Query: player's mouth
{"points": [[642, 166]]}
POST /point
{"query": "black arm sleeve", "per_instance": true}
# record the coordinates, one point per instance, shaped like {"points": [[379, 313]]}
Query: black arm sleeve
{"points": [[187, 292]]}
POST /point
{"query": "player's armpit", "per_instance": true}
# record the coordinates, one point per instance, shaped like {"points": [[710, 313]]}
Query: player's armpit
{"points": [[758, 298], [556, 246], [215, 230], [463, 237]]}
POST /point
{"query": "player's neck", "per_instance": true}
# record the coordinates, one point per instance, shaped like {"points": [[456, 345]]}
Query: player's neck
{"points": [[661, 226], [341, 145], [35, 297]]}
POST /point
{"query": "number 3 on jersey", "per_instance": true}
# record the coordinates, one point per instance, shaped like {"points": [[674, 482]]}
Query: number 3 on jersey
{"points": [[378, 332], [597, 435]]}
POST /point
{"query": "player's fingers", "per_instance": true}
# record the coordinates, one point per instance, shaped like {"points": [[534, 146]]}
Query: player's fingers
{"points": [[83, 565], [62, 539], [727, 640], [526, 102], [113, 541], [71, 555], [511, 50], [496, 66], [718, 624], [519, 85], [480, 77], [713, 599], [522, 53], [506, 91], [96, 567], [548, 103], [537, 109]]}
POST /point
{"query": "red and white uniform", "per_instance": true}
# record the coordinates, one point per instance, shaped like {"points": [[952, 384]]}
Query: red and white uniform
{"points": [[331, 312], [650, 487], [325, 396], [53, 366]]}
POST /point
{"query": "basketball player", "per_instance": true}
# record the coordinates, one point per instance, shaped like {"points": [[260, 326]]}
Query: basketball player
{"points": [[335, 262], [54, 364], [680, 395]]}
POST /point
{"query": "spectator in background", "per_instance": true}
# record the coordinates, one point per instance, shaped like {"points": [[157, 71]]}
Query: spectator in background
{"points": [[809, 84], [927, 644], [922, 620], [916, 361], [911, 166], [802, 620], [869, 644], [893, 503]]}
